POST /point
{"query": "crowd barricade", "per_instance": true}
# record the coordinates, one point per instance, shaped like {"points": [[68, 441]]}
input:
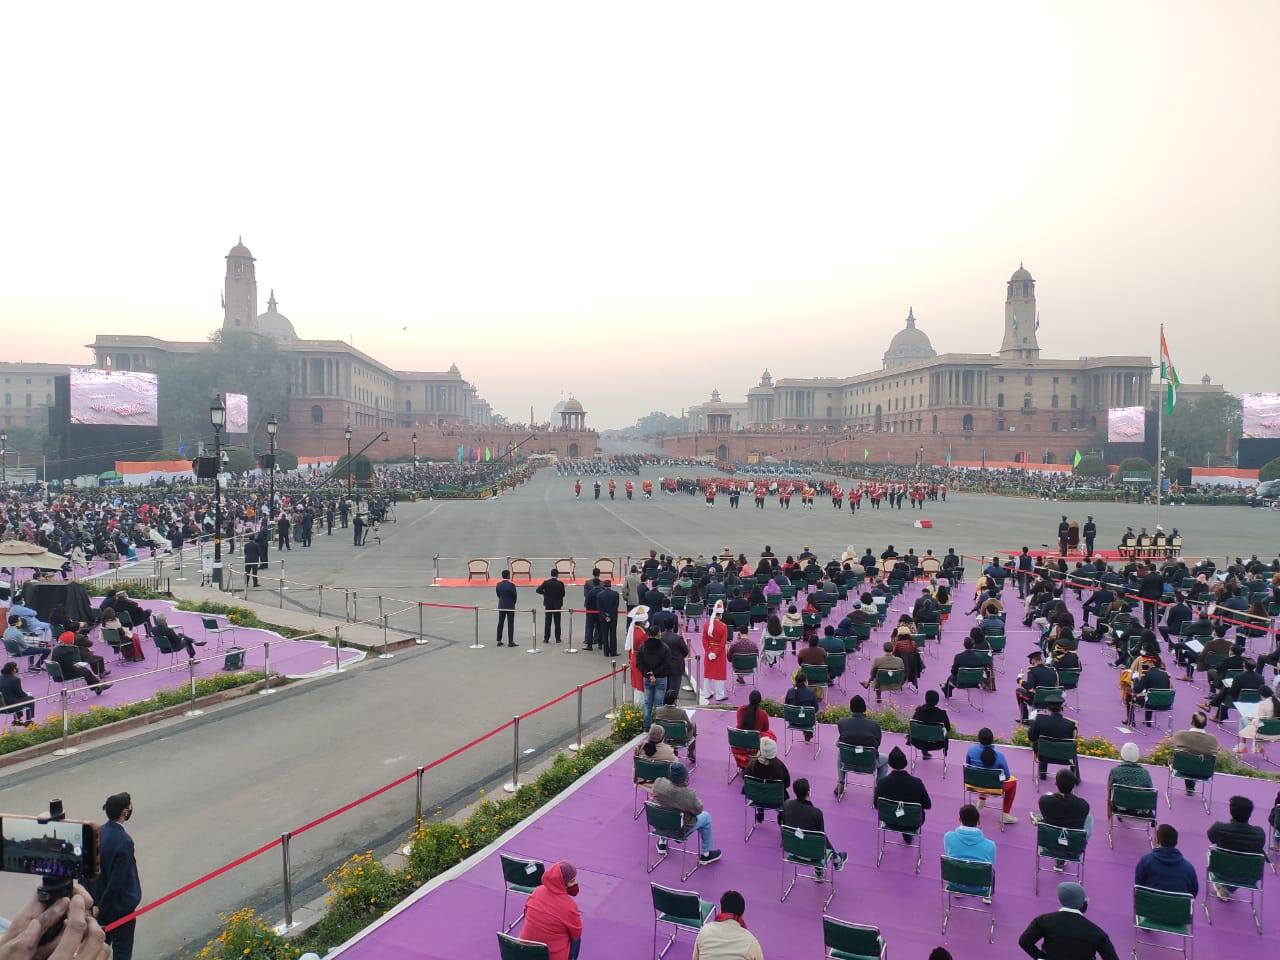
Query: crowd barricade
{"points": [[416, 775]]}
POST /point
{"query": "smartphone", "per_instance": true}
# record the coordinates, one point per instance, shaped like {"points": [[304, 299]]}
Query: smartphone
{"points": [[63, 849]]}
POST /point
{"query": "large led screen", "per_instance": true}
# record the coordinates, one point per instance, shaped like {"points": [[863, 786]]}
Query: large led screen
{"points": [[1126, 424], [1261, 416], [116, 398], [237, 413]]}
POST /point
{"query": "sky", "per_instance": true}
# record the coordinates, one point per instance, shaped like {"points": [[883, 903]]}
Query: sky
{"points": [[637, 203]]}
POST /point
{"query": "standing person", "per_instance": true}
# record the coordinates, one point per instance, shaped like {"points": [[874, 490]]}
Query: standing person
{"points": [[1064, 536], [653, 664], [252, 560], [1067, 934], [592, 618], [282, 532], [328, 518], [1090, 533], [552, 592], [344, 509], [116, 890], [359, 529], [506, 591], [1150, 592], [607, 602], [715, 643]]}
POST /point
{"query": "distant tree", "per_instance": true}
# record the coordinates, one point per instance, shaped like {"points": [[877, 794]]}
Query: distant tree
{"points": [[286, 460], [1135, 467], [1091, 466], [659, 424], [1208, 427], [1270, 470], [1172, 464], [239, 459], [166, 455]]}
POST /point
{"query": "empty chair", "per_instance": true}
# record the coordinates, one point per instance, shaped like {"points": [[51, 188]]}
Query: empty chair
{"points": [[681, 910]]}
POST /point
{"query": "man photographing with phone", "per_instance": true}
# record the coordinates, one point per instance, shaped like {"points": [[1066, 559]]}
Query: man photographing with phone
{"points": [[116, 889], [81, 937]]}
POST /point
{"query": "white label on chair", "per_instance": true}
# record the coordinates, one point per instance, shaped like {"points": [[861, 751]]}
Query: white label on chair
{"points": [[1002, 776], [530, 868], [857, 749], [900, 812], [1063, 841], [799, 834]]}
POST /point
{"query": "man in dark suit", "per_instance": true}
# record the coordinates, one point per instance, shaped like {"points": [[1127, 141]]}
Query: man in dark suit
{"points": [[1155, 678], [14, 699], [1090, 531], [589, 590], [506, 591], [1098, 603], [607, 601], [552, 592], [859, 730], [1026, 571], [1067, 934], [799, 813], [1251, 679], [968, 657], [1038, 675], [1174, 618], [1054, 726], [116, 891], [902, 786], [1150, 591], [252, 556]]}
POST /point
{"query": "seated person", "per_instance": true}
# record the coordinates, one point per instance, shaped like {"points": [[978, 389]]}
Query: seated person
{"points": [[551, 916], [140, 616], [1063, 808], [968, 657], [1038, 675], [772, 631], [30, 622], [95, 662], [929, 712], [830, 642], [742, 644], [17, 643], [1127, 773], [14, 699], [70, 661], [655, 747], [886, 661], [130, 649], [768, 766], [1165, 868], [1151, 676], [1239, 835], [1054, 726], [176, 639], [983, 754], [673, 793], [902, 786], [801, 696], [859, 730], [671, 712], [1223, 700], [726, 935], [968, 842], [751, 716], [799, 813]]}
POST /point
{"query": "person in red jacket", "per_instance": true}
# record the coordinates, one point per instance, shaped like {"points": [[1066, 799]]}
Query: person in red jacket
{"points": [[550, 915], [715, 643]]}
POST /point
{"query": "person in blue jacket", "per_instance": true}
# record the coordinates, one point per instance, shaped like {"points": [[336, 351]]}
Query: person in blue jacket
{"points": [[1165, 868]]}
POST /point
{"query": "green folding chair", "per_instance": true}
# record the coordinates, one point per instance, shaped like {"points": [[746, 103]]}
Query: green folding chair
{"points": [[748, 740], [759, 612], [774, 645], [693, 612], [1041, 697], [1158, 701], [964, 880], [970, 679], [681, 910], [856, 760], [1062, 845], [793, 631], [983, 782], [898, 816], [1062, 753], [852, 941], [680, 736], [1133, 805], [818, 675], [997, 643], [745, 664], [667, 827], [512, 948], [737, 619], [1162, 912], [889, 681], [835, 668], [931, 737], [520, 876], [1195, 769], [807, 848], [1236, 871], [852, 644], [800, 720], [761, 795], [644, 771], [1069, 680]]}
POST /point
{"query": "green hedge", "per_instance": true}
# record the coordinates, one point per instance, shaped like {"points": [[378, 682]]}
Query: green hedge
{"points": [[241, 617], [51, 728], [363, 888]]}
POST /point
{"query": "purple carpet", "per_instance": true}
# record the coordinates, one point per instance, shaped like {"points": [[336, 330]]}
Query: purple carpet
{"points": [[132, 682], [1096, 706], [593, 830]]}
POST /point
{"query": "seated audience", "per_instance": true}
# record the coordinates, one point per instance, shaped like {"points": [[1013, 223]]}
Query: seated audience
{"points": [[799, 813], [15, 700], [550, 915], [902, 786], [1127, 773], [1165, 868], [1067, 934], [672, 792], [968, 842], [984, 754], [726, 937], [1239, 835]]}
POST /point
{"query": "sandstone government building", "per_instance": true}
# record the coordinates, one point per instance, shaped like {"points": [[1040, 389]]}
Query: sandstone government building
{"points": [[1010, 405]]}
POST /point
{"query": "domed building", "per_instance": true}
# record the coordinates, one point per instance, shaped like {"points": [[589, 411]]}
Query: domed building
{"points": [[908, 345], [275, 324]]}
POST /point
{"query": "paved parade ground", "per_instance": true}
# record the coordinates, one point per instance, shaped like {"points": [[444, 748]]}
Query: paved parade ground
{"points": [[210, 788]]}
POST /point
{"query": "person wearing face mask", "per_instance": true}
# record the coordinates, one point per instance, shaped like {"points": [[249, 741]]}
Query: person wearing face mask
{"points": [[1067, 934], [116, 890], [550, 915]]}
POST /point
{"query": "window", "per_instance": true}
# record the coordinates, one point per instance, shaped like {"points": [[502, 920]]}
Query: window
{"points": [[1053, 401], [1073, 399], [1055, 379], [967, 423], [317, 414], [1000, 424], [1054, 426], [1000, 398], [1026, 381], [1026, 401], [28, 398]]}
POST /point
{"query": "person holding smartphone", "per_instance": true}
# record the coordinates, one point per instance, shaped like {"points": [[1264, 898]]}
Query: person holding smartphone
{"points": [[81, 937]]}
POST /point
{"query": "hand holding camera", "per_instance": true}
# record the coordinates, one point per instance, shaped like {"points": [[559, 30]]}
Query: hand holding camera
{"points": [[81, 937]]}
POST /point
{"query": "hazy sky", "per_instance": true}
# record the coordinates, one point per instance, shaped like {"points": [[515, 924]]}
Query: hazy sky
{"points": [[637, 203]]}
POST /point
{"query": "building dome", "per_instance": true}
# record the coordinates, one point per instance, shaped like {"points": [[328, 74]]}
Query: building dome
{"points": [[572, 406], [275, 324], [908, 345], [240, 250], [1022, 273]]}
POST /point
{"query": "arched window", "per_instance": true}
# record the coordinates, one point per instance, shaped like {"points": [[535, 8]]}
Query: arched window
{"points": [[722, 452], [967, 423], [1026, 401], [317, 414], [573, 450]]}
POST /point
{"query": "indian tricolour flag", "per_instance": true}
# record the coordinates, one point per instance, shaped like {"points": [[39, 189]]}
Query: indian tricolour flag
{"points": [[1168, 375]]}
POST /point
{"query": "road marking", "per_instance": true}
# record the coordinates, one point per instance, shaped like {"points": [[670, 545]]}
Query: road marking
{"points": [[414, 523]]}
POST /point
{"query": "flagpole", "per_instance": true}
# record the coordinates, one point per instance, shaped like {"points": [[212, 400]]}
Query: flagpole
{"points": [[1160, 435]]}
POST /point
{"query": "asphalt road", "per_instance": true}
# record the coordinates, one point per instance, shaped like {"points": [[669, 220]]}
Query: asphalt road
{"points": [[211, 788]]}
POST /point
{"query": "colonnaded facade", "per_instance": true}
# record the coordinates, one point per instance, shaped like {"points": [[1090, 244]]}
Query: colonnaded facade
{"points": [[1010, 405]]}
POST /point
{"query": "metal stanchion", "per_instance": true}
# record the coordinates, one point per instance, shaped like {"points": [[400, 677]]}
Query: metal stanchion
{"points": [[688, 676], [384, 655], [191, 679], [477, 645], [379, 606], [514, 785], [698, 692], [417, 810], [288, 885], [533, 636], [577, 744], [571, 648], [66, 749], [436, 579], [320, 601], [266, 667], [613, 682], [282, 590], [337, 649], [422, 640]]}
